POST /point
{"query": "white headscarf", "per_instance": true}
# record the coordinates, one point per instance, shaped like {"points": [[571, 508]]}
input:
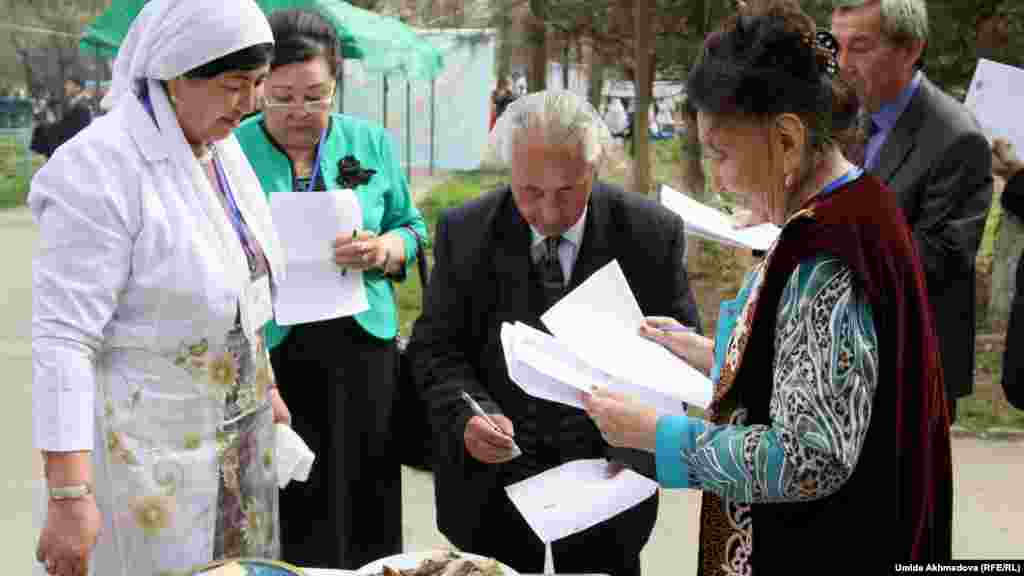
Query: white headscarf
{"points": [[167, 39], [171, 37]]}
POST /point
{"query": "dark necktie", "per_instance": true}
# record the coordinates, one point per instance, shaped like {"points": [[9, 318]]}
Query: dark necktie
{"points": [[549, 270]]}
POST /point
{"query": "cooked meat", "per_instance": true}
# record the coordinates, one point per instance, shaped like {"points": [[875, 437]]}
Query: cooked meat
{"points": [[460, 567]]}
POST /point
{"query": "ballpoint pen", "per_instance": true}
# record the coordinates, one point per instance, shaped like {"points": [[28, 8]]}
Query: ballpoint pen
{"points": [[355, 233], [480, 412]]}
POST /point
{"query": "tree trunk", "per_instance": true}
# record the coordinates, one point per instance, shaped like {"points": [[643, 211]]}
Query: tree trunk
{"points": [[642, 48], [505, 40], [565, 64], [538, 39], [595, 92]]}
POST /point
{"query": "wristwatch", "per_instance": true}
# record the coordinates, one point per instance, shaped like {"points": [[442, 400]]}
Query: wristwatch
{"points": [[72, 492]]}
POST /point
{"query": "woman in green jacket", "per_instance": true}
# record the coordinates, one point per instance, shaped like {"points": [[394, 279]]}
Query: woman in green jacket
{"points": [[337, 376]]}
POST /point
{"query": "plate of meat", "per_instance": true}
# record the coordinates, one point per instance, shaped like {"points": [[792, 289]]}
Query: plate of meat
{"points": [[436, 563]]}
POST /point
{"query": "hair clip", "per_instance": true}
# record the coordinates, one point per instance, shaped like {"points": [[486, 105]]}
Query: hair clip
{"points": [[825, 41]]}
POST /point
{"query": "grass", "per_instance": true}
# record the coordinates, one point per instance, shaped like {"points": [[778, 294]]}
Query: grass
{"points": [[13, 186]]}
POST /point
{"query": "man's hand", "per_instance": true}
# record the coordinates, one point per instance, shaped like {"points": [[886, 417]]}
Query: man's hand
{"points": [[488, 445], [67, 541], [1005, 162]]}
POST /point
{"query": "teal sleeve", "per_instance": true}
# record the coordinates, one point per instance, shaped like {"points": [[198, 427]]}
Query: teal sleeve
{"points": [[824, 381], [676, 439], [400, 210]]}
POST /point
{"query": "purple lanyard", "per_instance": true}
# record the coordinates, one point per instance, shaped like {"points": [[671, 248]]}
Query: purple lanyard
{"points": [[233, 212]]}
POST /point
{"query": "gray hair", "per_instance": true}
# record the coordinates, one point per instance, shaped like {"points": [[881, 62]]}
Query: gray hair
{"points": [[903, 21], [553, 117]]}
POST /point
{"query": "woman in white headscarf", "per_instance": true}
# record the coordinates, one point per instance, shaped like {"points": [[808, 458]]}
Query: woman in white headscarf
{"points": [[154, 401]]}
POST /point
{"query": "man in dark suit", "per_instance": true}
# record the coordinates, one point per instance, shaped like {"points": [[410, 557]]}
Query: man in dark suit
{"points": [[507, 256], [930, 151]]}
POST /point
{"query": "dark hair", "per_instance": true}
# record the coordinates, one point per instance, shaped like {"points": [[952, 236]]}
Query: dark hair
{"points": [[771, 61], [246, 59], [302, 35]]}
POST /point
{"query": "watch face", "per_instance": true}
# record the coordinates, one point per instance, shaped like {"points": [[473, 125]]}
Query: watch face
{"points": [[248, 567]]}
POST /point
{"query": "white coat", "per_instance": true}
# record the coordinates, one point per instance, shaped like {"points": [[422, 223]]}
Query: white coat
{"points": [[137, 282]]}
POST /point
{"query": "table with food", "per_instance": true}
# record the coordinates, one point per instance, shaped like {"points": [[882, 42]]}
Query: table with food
{"points": [[430, 563]]}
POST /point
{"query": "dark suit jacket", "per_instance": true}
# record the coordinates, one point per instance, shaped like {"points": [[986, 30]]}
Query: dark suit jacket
{"points": [[1013, 361], [480, 279], [939, 164]]}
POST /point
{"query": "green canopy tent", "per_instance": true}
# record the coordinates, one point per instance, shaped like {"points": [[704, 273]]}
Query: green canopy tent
{"points": [[382, 45]]}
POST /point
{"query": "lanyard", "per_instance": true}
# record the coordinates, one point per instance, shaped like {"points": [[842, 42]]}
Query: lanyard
{"points": [[233, 212], [147, 103], [851, 175], [316, 165]]}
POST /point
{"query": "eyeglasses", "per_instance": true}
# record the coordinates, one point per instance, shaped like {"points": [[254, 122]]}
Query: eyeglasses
{"points": [[309, 107]]}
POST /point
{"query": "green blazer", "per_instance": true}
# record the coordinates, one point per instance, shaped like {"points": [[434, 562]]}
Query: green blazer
{"points": [[385, 201]]}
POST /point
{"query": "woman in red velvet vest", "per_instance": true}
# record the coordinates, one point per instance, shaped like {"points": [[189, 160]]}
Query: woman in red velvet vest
{"points": [[828, 424]]}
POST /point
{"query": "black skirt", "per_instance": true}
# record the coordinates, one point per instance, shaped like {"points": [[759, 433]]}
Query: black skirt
{"points": [[339, 384]]}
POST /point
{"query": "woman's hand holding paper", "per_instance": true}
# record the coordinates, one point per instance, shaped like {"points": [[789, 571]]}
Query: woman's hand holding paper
{"points": [[696, 350], [623, 422]]}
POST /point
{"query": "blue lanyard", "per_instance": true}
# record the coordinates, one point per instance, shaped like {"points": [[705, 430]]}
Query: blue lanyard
{"points": [[234, 213], [851, 175], [316, 165]]}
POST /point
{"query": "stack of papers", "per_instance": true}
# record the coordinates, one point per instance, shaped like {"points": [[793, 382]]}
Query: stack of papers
{"points": [[993, 98], [575, 496], [715, 225], [596, 342], [314, 288]]}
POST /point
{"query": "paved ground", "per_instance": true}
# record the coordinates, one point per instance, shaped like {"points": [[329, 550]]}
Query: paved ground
{"points": [[989, 505]]}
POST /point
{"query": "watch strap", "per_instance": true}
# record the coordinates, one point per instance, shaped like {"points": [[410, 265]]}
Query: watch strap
{"points": [[71, 492]]}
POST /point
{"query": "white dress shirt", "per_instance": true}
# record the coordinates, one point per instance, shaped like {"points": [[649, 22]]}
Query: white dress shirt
{"points": [[567, 250]]}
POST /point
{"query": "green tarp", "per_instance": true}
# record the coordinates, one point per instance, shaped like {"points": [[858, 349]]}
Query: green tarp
{"points": [[384, 45]]}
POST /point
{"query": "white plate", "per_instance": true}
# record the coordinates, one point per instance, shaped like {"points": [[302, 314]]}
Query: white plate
{"points": [[411, 560]]}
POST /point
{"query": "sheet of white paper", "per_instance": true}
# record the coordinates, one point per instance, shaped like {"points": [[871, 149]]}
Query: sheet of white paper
{"points": [[712, 224], [546, 368], [575, 496], [994, 99], [314, 288], [600, 320]]}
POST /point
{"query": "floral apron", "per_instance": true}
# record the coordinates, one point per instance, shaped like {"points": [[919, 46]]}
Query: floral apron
{"points": [[188, 455]]}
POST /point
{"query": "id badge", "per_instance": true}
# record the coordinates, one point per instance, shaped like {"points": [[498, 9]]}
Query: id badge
{"points": [[258, 308]]}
